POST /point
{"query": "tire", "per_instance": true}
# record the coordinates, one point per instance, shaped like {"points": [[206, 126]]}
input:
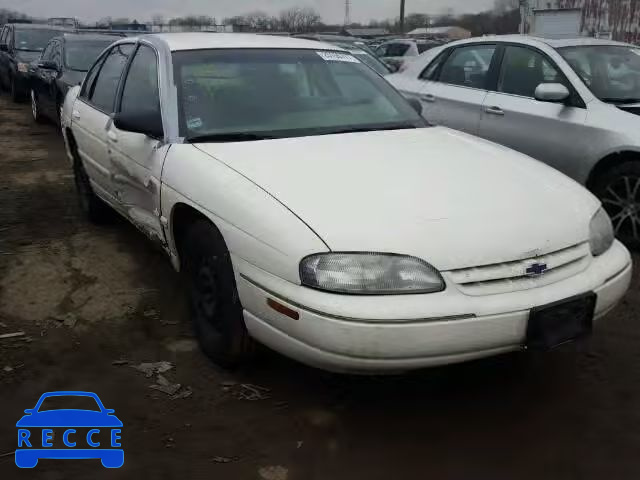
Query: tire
{"points": [[216, 311], [94, 208], [35, 110], [13, 90], [619, 191]]}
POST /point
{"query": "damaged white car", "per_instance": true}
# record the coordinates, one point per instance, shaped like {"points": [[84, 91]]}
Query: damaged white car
{"points": [[313, 210]]}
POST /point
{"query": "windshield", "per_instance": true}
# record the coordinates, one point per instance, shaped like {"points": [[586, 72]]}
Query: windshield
{"points": [[34, 40], [283, 93], [611, 72], [81, 55]]}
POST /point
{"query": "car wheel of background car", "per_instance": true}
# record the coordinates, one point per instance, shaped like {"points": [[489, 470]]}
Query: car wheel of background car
{"points": [[13, 90], [35, 111], [619, 190], [93, 207], [215, 307]]}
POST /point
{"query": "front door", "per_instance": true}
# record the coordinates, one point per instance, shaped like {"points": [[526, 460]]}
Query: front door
{"points": [[551, 132], [453, 93], [136, 159], [91, 118]]}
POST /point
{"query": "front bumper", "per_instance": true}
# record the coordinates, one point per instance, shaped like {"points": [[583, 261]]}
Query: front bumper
{"points": [[397, 333]]}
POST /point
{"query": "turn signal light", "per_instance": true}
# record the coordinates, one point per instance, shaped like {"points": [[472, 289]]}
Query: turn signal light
{"points": [[283, 309]]}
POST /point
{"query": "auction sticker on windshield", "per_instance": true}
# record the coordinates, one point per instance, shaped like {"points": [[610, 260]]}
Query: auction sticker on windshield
{"points": [[338, 57], [90, 432]]}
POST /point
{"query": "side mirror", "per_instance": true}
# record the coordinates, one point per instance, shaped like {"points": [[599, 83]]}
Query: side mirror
{"points": [[416, 104], [29, 411], [47, 65], [146, 122], [551, 92], [4, 47], [109, 411]]}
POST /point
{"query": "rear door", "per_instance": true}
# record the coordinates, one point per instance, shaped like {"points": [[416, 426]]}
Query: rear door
{"points": [[455, 86], [91, 117], [550, 132], [137, 159]]}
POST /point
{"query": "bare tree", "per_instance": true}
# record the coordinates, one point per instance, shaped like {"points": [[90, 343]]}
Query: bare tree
{"points": [[298, 19]]}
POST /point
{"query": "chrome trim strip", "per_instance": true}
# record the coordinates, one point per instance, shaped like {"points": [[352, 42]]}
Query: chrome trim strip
{"points": [[357, 320]]}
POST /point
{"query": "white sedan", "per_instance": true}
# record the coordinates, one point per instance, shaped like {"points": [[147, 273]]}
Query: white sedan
{"points": [[313, 210]]}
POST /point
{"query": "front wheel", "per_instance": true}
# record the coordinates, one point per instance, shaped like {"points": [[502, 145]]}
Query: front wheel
{"points": [[35, 109], [13, 90], [215, 307], [619, 191]]}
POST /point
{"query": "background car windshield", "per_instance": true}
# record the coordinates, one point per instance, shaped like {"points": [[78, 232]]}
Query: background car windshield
{"points": [[611, 72], [366, 58], [66, 402], [283, 93], [34, 40], [81, 55]]}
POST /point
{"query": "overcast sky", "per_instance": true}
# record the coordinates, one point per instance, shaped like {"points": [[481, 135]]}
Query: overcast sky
{"points": [[331, 10]]}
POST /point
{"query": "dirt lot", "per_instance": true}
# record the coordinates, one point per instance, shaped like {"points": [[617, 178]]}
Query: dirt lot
{"points": [[93, 302]]}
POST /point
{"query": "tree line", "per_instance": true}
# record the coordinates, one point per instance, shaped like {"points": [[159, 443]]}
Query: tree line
{"points": [[503, 18]]}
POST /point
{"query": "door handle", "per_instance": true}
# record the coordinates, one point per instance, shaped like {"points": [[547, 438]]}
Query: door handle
{"points": [[428, 98], [76, 114], [112, 136], [494, 110]]}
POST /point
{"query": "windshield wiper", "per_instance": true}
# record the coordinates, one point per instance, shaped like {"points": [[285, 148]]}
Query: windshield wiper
{"points": [[403, 126], [228, 137]]}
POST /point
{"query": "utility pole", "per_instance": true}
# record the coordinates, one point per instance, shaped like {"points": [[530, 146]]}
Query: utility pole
{"points": [[402, 16], [347, 13]]}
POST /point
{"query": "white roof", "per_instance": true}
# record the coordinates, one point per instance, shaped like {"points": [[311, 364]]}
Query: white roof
{"points": [[197, 41], [537, 41], [433, 30]]}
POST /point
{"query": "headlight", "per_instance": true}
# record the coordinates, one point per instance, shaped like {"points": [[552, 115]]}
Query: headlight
{"points": [[23, 67], [601, 234], [370, 274]]}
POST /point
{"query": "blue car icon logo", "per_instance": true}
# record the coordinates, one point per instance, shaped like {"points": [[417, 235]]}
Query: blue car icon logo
{"points": [[69, 433]]}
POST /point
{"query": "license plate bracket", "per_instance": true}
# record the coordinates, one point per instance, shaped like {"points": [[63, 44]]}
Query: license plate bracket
{"points": [[553, 325]]}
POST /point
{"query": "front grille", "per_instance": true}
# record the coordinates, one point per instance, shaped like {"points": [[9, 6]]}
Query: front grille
{"points": [[511, 277]]}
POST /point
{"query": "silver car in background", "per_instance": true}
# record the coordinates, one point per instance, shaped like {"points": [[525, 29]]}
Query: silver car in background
{"points": [[573, 104]]}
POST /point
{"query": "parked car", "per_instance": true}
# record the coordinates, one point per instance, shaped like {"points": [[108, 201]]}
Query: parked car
{"points": [[357, 47], [20, 45], [63, 64], [311, 208], [397, 52], [570, 103]]}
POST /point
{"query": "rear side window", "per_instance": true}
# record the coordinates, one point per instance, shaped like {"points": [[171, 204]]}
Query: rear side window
{"points": [[431, 71], [140, 93], [91, 78], [468, 66], [103, 92], [4, 34]]}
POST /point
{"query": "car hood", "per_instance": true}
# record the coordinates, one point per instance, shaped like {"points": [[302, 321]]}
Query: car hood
{"points": [[441, 195], [69, 418]]}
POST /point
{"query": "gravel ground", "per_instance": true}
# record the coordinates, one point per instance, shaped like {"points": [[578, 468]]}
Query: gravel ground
{"points": [[95, 301]]}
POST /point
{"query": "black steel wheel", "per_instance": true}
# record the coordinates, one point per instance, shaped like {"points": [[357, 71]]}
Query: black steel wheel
{"points": [[215, 306]]}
